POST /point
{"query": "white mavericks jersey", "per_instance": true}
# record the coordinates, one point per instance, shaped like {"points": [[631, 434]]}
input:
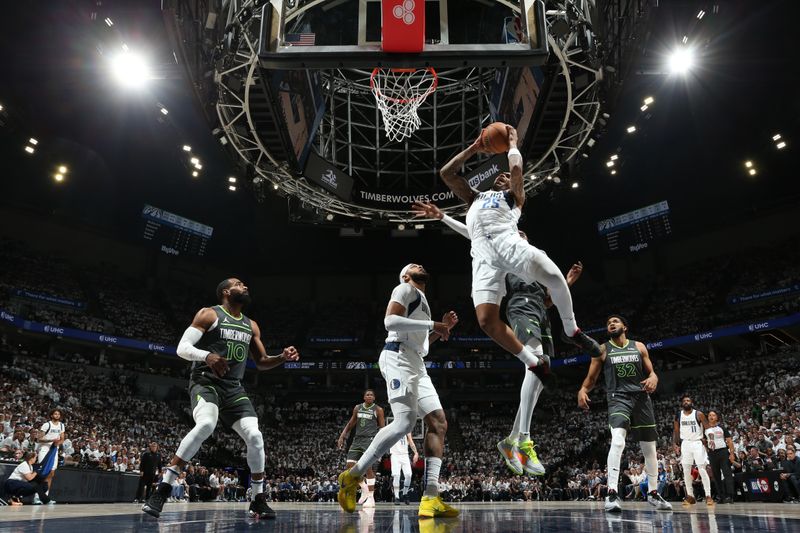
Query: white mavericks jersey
{"points": [[51, 432], [417, 308], [492, 213], [690, 427], [400, 448]]}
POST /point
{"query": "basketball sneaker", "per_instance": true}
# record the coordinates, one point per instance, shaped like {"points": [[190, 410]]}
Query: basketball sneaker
{"points": [[542, 370], [584, 342], [529, 458], [612, 502], [259, 508], [506, 447], [433, 506], [689, 500], [155, 503], [655, 499], [348, 483], [710, 501]]}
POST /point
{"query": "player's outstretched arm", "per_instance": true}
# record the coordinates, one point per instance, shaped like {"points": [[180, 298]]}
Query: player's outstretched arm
{"points": [[515, 167], [429, 210], [396, 320], [259, 353], [457, 183]]}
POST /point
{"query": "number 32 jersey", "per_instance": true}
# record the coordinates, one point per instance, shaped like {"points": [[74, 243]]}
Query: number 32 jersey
{"points": [[623, 368]]}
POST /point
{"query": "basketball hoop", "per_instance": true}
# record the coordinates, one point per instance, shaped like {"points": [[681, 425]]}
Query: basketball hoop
{"points": [[399, 92]]}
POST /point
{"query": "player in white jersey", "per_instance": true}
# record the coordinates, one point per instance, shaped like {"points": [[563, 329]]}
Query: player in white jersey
{"points": [[688, 435], [51, 436], [497, 249], [398, 454], [410, 390]]}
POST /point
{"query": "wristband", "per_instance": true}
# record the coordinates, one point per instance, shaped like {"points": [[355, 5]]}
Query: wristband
{"points": [[514, 151]]}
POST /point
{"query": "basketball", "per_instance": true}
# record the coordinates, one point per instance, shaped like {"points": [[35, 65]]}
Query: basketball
{"points": [[494, 138]]}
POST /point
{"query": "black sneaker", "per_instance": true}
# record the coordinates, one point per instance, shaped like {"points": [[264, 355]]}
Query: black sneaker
{"points": [[542, 370], [259, 508], [155, 503], [584, 342], [406, 499]]}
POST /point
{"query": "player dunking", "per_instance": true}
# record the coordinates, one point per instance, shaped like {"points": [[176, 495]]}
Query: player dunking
{"points": [[630, 379], [526, 311], [398, 455], [688, 434], [367, 418], [218, 342], [497, 249], [410, 390]]}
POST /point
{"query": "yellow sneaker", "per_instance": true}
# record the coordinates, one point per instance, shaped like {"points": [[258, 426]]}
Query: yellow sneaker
{"points": [[529, 458], [348, 484], [433, 506]]}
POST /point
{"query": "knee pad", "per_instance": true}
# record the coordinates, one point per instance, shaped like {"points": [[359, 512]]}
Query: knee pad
{"points": [[618, 438], [205, 418]]}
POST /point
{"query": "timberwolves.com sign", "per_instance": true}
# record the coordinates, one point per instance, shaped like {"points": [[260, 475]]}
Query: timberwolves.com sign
{"points": [[340, 184]]}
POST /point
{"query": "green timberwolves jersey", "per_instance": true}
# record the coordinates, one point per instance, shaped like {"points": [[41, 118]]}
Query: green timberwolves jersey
{"points": [[229, 339], [367, 423], [623, 368]]}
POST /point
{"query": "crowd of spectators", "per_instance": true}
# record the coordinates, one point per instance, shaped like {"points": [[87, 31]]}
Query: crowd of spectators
{"points": [[109, 425], [696, 297]]}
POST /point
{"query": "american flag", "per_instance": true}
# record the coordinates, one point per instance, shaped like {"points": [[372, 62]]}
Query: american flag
{"points": [[300, 39]]}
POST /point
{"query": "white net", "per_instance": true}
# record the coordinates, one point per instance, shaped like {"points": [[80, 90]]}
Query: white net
{"points": [[399, 93]]}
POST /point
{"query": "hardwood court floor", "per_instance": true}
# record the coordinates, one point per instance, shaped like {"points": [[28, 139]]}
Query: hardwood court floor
{"points": [[387, 518]]}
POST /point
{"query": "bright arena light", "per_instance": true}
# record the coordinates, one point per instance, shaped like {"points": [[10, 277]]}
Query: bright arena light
{"points": [[187, 148], [232, 188], [649, 100], [748, 164], [195, 173], [752, 172], [130, 70], [681, 60], [781, 145], [231, 179], [62, 169], [29, 149], [631, 129], [776, 137], [59, 177]]}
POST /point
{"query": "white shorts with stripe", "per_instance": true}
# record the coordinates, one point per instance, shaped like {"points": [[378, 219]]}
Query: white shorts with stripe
{"points": [[407, 377]]}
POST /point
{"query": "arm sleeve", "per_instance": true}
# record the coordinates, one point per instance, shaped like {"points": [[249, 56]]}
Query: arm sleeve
{"points": [[455, 225], [401, 323], [186, 348]]}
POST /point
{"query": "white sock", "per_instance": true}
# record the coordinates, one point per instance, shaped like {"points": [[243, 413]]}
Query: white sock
{"points": [[405, 416], [527, 357], [396, 486], [257, 485], [615, 456], [650, 464], [687, 480], [171, 475], [705, 479], [371, 488], [406, 485], [528, 396], [432, 467]]}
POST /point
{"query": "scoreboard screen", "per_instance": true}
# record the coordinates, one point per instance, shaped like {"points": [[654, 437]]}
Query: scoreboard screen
{"points": [[635, 230], [174, 234]]}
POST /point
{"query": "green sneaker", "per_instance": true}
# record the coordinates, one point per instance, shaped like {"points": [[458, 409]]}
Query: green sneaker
{"points": [[529, 459]]}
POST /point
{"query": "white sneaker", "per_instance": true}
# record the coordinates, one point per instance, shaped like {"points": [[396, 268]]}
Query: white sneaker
{"points": [[612, 503], [509, 455], [655, 499]]}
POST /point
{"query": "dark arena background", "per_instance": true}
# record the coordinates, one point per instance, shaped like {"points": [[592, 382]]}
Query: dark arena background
{"points": [[150, 150]]}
